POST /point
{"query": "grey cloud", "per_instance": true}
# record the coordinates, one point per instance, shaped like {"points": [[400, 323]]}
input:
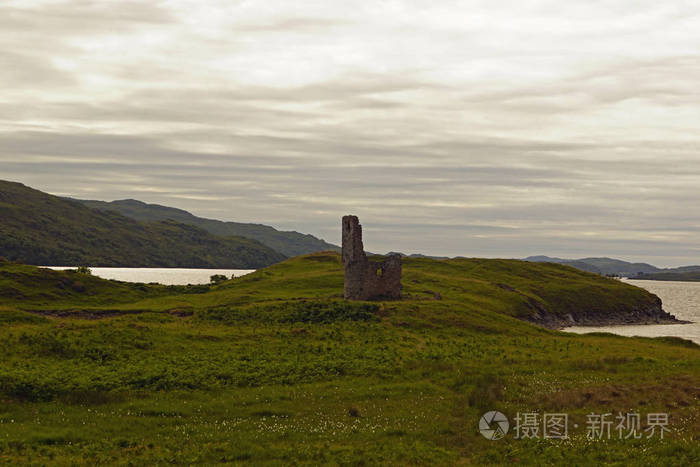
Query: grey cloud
{"points": [[355, 85], [81, 16], [298, 24], [446, 137], [24, 71], [668, 81]]}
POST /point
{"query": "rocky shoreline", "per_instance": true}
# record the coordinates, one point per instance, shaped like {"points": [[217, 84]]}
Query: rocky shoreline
{"points": [[652, 314]]}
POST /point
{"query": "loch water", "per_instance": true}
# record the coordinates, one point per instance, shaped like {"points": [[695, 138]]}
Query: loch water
{"points": [[165, 276], [681, 299]]}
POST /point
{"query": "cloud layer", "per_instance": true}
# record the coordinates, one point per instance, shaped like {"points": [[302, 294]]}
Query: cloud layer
{"points": [[459, 128]]}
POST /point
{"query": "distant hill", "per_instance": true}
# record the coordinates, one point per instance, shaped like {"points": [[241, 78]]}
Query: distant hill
{"points": [[611, 266], [38, 228], [416, 255], [583, 266], [545, 259], [288, 243]]}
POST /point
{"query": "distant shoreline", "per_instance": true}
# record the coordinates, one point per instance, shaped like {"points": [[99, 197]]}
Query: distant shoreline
{"points": [[643, 316], [668, 277], [613, 322]]}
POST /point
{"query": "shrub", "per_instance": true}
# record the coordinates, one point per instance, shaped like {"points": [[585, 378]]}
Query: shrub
{"points": [[329, 312], [319, 312], [217, 278], [217, 315], [487, 392]]}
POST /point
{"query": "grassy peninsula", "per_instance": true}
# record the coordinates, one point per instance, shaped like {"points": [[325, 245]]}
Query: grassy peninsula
{"points": [[276, 368]]}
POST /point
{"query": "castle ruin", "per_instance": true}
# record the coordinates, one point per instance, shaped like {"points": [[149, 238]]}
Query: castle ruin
{"points": [[366, 279]]}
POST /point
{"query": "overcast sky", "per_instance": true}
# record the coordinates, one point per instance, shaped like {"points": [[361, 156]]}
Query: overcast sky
{"points": [[475, 128]]}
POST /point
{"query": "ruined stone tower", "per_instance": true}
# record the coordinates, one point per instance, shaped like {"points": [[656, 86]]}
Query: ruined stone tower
{"points": [[366, 279]]}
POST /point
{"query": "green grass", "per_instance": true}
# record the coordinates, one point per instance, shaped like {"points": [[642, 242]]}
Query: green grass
{"points": [[275, 368], [32, 288]]}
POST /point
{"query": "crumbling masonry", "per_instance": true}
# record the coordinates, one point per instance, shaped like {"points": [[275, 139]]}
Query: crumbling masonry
{"points": [[366, 279]]}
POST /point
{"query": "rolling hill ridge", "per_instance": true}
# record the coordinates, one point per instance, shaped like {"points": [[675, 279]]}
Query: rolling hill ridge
{"points": [[288, 243], [611, 266], [38, 228]]}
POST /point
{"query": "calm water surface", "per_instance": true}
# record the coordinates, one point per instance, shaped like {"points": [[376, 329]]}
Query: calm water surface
{"points": [[679, 298], [165, 276]]}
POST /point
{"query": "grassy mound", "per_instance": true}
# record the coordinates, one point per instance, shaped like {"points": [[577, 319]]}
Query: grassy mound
{"points": [[442, 288], [32, 288]]}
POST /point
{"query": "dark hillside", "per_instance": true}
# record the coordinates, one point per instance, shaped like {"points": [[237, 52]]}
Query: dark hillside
{"points": [[38, 228], [288, 243]]}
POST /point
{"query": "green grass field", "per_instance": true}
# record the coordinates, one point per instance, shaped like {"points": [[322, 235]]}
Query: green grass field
{"points": [[275, 368]]}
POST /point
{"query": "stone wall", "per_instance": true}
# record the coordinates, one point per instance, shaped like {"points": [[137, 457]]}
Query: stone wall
{"points": [[366, 279]]}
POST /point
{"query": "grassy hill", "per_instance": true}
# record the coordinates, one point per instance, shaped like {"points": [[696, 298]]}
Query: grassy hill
{"points": [[517, 288], [45, 290], [38, 228], [288, 243], [275, 368]]}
